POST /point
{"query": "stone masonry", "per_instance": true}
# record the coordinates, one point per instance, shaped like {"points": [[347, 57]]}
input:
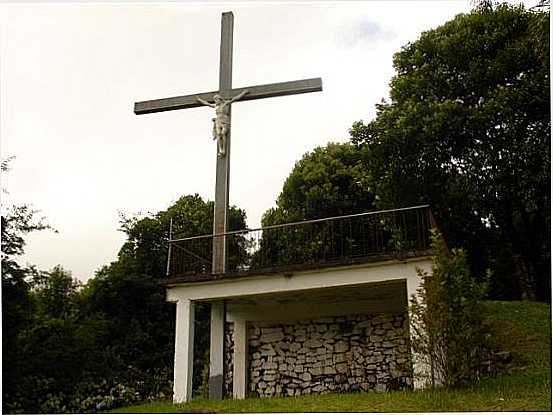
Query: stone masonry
{"points": [[228, 359], [334, 354]]}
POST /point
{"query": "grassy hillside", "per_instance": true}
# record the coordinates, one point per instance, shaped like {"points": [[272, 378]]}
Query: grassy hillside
{"points": [[523, 328]]}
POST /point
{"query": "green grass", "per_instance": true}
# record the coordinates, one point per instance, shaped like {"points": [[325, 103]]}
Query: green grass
{"points": [[523, 328]]}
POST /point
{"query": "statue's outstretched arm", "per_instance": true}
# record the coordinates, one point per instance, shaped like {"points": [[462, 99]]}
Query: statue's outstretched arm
{"points": [[240, 95], [205, 102]]}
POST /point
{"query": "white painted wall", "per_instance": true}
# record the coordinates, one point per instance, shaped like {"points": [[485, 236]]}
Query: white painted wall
{"points": [[184, 351], [278, 283]]}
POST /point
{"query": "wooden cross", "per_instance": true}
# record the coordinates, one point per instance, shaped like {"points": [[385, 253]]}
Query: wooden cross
{"points": [[226, 92]]}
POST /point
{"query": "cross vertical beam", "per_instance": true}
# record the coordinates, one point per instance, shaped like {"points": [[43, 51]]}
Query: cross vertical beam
{"points": [[220, 216], [220, 213], [185, 320]]}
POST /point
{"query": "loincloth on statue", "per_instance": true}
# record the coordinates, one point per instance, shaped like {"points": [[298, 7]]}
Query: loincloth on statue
{"points": [[221, 120]]}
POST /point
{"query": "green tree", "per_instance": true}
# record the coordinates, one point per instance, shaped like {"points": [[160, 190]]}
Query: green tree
{"points": [[329, 181], [111, 341], [54, 344], [55, 292], [17, 222], [16, 302], [467, 130], [128, 294]]}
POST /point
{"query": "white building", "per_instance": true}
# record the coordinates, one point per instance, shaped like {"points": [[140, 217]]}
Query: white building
{"points": [[308, 307]]}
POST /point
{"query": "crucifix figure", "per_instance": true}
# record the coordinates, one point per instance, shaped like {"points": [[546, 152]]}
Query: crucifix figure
{"points": [[222, 100], [226, 96], [221, 122]]}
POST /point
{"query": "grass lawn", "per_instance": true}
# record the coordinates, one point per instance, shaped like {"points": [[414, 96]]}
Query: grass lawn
{"points": [[523, 328]]}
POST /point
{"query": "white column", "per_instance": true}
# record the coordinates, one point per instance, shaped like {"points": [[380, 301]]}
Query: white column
{"points": [[216, 350], [422, 372], [184, 351], [240, 360]]}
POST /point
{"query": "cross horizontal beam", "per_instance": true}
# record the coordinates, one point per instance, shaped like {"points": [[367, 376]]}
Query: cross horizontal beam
{"points": [[254, 92]]}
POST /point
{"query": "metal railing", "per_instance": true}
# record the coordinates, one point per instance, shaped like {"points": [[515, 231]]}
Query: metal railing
{"points": [[308, 244]]}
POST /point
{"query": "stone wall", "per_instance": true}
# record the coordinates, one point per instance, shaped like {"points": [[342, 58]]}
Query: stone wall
{"points": [[336, 354]]}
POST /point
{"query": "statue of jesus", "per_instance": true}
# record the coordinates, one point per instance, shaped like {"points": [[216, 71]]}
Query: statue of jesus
{"points": [[221, 123]]}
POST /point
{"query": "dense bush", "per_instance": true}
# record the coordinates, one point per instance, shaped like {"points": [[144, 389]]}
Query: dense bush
{"points": [[85, 397], [449, 335]]}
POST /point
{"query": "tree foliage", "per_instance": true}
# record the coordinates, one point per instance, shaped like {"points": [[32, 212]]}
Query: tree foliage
{"points": [[329, 181], [55, 292], [109, 342], [17, 311], [467, 130], [128, 293]]}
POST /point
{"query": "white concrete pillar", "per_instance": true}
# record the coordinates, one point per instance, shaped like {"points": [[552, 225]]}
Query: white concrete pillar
{"points": [[184, 351], [216, 350], [422, 369], [240, 360]]}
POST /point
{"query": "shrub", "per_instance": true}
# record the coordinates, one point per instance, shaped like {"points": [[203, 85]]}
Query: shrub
{"points": [[90, 395], [446, 318]]}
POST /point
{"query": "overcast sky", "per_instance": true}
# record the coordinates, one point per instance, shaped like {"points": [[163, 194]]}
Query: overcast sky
{"points": [[70, 73]]}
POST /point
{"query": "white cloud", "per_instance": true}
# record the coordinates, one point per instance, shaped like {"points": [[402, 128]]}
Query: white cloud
{"points": [[364, 31]]}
